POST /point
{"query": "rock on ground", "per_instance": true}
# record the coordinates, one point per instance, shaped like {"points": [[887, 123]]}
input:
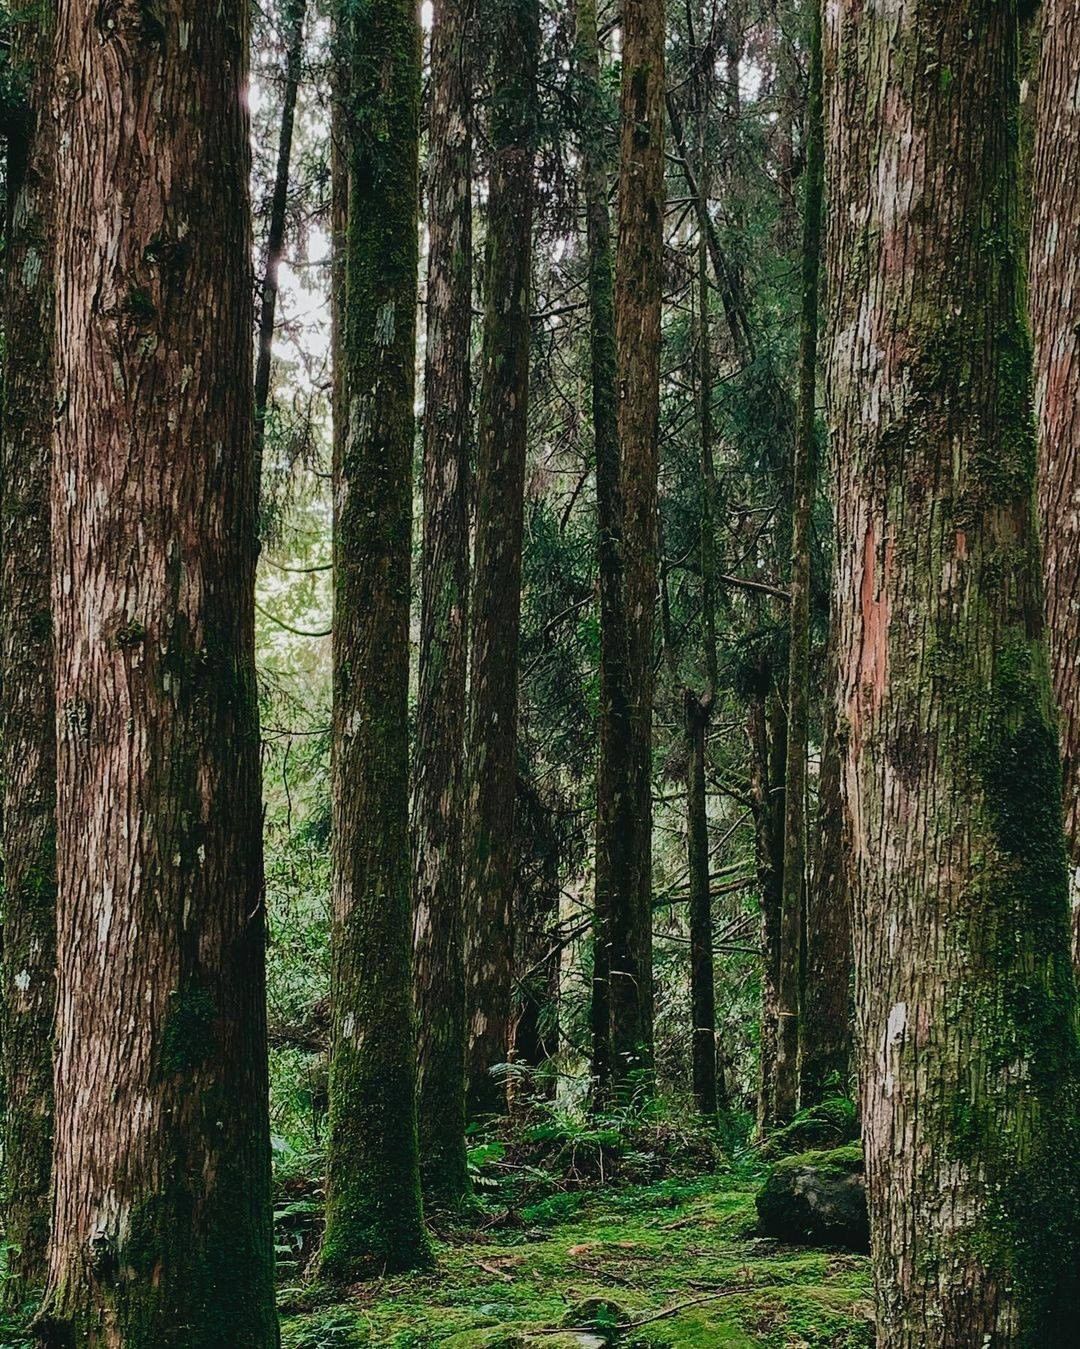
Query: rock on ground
{"points": [[817, 1199]]}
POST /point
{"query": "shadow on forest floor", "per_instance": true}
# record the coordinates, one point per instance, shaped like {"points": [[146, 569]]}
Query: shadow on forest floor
{"points": [[670, 1264]]}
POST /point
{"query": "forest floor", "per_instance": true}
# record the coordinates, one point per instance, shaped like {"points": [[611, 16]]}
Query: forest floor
{"points": [[655, 1266]]}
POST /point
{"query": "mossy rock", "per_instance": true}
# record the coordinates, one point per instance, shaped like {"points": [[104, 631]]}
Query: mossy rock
{"points": [[601, 1314], [817, 1199], [830, 1124]]}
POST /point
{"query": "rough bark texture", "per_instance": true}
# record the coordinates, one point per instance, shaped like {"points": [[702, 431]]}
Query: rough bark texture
{"points": [[161, 1215], [27, 717], [496, 608], [1055, 318], [804, 481], [624, 830], [293, 15], [825, 1043], [614, 725], [373, 1212], [438, 791], [966, 1002]]}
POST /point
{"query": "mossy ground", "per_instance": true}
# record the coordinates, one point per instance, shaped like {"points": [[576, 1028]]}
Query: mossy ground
{"points": [[647, 1248]]}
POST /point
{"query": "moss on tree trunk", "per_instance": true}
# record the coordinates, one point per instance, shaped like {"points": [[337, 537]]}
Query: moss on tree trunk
{"points": [[965, 994], [373, 1212], [27, 720]]}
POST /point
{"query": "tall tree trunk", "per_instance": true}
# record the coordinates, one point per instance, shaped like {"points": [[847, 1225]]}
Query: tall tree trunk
{"points": [[496, 613], [27, 715], [439, 798], [825, 1043], [161, 1215], [293, 13], [767, 733], [697, 707], [614, 724], [804, 483], [624, 831], [1055, 319], [966, 1001], [373, 1212]]}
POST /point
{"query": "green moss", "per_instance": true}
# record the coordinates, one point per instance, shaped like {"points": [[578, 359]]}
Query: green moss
{"points": [[188, 1038]]}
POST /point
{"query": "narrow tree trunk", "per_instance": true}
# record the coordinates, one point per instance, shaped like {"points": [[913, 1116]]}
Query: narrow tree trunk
{"points": [[614, 721], [373, 1213], [966, 1001], [825, 1043], [27, 713], [702, 988], [161, 1214], [697, 708], [804, 483], [439, 798], [1055, 319], [496, 613], [536, 886], [767, 736], [293, 14], [624, 841]]}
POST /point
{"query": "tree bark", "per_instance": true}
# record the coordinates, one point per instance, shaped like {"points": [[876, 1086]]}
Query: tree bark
{"points": [[496, 611], [804, 484], [624, 829], [293, 14], [161, 1212], [438, 792], [1055, 321], [27, 713], [966, 1000], [373, 1213], [614, 726]]}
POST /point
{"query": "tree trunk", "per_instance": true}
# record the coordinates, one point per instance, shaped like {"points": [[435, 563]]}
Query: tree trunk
{"points": [[804, 484], [702, 984], [293, 15], [373, 1213], [438, 792], [966, 1001], [697, 708], [768, 739], [624, 830], [161, 1215], [614, 724], [825, 1045], [496, 614], [27, 714], [1055, 321]]}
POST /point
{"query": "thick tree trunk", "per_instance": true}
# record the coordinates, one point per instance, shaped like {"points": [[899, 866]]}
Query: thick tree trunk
{"points": [[373, 1214], [1055, 320], [624, 831], [614, 723], [438, 791], [293, 14], [27, 713], [161, 1215], [496, 611], [804, 483], [825, 1044], [966, 1002]]}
